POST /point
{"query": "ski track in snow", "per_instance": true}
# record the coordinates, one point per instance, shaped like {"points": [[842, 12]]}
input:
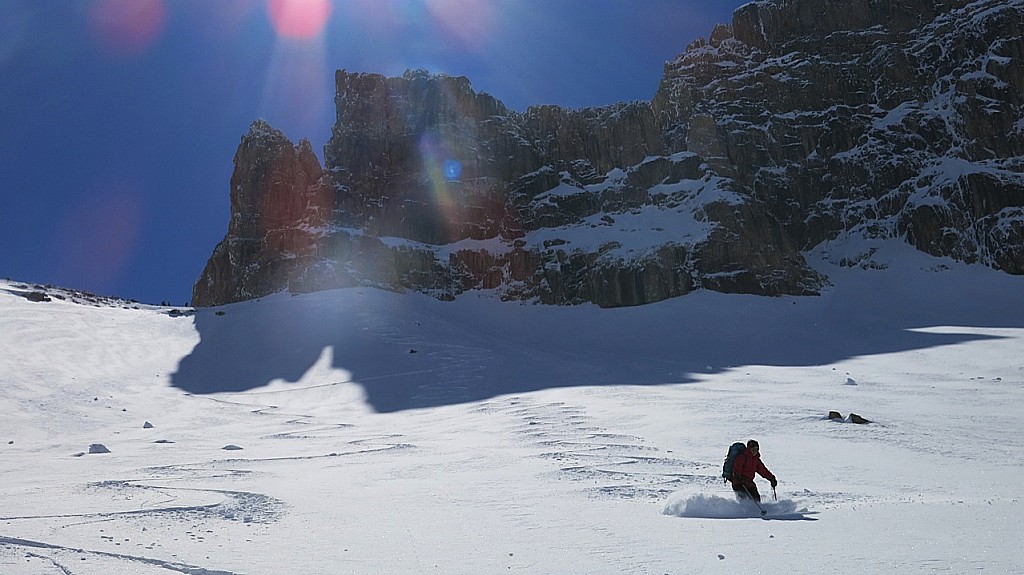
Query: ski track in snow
{"points": [[622, 464], [158, 501], [63, 558], [602, 462], [156, 508]]}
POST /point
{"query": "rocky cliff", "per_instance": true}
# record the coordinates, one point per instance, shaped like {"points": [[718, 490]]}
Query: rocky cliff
{"points": [[804, 124], [280, 202]]}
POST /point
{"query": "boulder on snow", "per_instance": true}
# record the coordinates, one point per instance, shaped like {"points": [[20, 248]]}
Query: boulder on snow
{"points": [[98, 448], [854, 418], [147, 425], [37, 296], [231, 448], [835, 415]]}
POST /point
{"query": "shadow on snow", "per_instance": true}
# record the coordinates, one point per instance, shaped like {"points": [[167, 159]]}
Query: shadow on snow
{"points": [[411, 351]]}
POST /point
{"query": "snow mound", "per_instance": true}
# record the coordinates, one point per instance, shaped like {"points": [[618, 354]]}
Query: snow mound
{"points": [[715, 507]]}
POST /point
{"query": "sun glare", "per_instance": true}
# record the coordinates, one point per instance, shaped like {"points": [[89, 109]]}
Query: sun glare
{"points": [[127, 28], [469, 21], [300, 19], [98, 235]]}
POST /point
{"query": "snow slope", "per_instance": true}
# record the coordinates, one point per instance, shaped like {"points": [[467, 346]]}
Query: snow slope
{"points": [[362, 431]]}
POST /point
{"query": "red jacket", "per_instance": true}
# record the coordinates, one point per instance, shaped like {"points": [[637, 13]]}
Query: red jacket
{"points": [[746, 465]]}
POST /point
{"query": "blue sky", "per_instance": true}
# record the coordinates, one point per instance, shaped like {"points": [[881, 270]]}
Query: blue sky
{"points": [[120, 118]]}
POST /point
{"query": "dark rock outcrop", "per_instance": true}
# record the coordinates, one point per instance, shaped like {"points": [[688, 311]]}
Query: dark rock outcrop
{"points": [[280, 205], [804, 123]]}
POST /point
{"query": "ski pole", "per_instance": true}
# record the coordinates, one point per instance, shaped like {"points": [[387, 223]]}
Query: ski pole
{"points": [[775, 494], [763, 512]]}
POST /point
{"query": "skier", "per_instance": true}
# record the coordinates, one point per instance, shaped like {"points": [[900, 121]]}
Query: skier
{"points": [[746, 465]]}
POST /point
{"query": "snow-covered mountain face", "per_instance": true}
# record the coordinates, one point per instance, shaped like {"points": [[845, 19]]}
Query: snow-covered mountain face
{"points": [[803, 125], [875, 119]]}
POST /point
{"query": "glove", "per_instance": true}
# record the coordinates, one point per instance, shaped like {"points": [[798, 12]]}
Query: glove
{"points": [[774, 482]]}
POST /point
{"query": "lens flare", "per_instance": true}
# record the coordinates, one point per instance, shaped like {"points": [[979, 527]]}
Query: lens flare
{"points": [[441, 171], [15, 30], [293, 96], [438, 164], [452, 170], [470, 22], [299, 19], [98, 237], [127, 28]]}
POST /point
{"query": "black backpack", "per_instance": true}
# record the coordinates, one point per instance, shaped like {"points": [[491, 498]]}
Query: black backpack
{"points": [[734, 450]]}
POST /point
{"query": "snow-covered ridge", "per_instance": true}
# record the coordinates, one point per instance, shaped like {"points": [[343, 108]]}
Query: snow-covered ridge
{"points": [[47, 293]]}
